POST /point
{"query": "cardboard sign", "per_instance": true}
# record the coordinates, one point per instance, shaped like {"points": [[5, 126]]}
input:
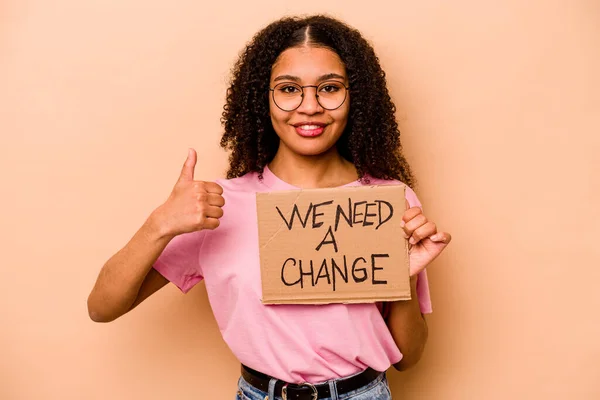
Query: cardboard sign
{"points": [[339, 245]]}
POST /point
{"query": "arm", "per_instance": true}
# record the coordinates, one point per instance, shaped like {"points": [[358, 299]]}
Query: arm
{"points": [[406, 322], [408, 328], [128, 278]]}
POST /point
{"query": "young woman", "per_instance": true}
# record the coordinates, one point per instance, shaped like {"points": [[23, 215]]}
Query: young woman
{"points": [[308, 107]]}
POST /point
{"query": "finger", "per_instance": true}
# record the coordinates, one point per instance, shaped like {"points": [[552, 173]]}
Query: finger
{"points": [[410, 214], [422, 232], [414, 224], [212, 187], [213, 212], [441, 237], [211, 223], [215, 200], [187, 172]]}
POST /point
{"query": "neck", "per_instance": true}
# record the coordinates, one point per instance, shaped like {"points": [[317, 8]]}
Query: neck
{"points": [[321, 171]]}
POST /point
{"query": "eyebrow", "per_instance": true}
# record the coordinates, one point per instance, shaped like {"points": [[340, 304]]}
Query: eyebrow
{"points": [[319, 79]]}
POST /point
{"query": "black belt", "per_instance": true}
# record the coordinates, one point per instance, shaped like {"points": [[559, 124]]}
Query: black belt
{"points": [[307, 391]]}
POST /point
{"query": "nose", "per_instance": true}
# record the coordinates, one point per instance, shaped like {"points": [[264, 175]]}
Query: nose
{"points": [[309, 104]]}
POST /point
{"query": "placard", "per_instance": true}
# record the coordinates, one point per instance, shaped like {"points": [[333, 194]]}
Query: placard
{"points": [[339, 245]]}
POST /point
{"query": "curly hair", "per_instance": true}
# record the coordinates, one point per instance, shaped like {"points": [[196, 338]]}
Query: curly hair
{"points": [[371, 140]]}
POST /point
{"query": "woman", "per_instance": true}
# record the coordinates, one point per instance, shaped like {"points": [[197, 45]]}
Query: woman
{"points": [[308, 107]]}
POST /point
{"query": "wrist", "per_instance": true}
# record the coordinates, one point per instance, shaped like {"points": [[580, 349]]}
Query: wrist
{"points": [[157, 228]]}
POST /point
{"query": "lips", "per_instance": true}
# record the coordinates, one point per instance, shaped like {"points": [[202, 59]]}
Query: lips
{"points": [[309, 128]]}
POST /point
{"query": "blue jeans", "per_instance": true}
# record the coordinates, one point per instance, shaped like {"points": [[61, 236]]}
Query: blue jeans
{"points": [[375, 390]]}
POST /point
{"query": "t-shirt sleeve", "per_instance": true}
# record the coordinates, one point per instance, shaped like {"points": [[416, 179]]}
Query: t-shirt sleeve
{"points": [[180, 260], [422, 282]]}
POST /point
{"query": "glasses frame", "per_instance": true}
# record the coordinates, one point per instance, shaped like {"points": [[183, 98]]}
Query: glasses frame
{"points": [[272, 90]]}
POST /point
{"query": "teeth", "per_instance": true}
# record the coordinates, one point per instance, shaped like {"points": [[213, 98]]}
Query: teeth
{"points": [[309, 127]]}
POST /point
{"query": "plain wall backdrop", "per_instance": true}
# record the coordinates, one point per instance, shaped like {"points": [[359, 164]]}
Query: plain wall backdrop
{"points": [[499, 109]]}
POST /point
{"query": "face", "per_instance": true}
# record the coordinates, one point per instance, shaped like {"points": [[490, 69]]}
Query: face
{"points": [[310, 129]]}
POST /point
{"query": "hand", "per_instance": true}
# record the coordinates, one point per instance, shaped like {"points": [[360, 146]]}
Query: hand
{"points": [[425, 242], [192, 205]]}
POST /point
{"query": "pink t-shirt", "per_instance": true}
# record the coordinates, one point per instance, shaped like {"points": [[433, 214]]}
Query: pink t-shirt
{"points": [[295, 343]]}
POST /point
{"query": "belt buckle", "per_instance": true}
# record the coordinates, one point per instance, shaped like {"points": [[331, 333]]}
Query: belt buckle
{"points": [[315, 393]]}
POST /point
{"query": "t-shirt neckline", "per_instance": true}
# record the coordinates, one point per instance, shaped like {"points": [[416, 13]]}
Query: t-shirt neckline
{"points": [[274, 182]]}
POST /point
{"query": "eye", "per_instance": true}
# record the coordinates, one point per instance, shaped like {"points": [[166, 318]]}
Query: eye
{"points": [[288, 89], [331, 87]]}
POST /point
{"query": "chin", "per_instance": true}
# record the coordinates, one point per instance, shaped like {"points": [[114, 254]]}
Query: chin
{"points": [[308, 146], [311, 149]]}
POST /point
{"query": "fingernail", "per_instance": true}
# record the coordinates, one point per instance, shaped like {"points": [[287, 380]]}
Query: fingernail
{"points": [[434, 237], [412, 240], [402, 224]]}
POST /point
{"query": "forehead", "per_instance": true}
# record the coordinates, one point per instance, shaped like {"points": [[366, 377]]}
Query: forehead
{"points": [[308, 63]]}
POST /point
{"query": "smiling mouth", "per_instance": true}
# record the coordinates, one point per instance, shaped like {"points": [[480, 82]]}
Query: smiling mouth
{"points": [[309, 128]]}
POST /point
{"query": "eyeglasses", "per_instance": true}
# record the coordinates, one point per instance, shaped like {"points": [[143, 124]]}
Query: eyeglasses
{"points": [[289, 96]]}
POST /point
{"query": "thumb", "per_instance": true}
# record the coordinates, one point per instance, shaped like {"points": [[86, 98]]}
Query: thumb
{"points": [[187, 172]]}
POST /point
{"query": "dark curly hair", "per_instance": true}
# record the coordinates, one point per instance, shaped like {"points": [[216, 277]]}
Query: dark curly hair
{"points": [[371, 140]]}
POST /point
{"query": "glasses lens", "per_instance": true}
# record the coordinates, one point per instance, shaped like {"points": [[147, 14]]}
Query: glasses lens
{"points": [[287, 96], [331, 94]]}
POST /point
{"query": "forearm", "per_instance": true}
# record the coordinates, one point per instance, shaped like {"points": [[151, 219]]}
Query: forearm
{"points": [[121, 277], [408, 328]]}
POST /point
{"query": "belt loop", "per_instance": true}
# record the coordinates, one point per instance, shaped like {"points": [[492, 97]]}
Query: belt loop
{"points": [[271, 392], [333, 389]]}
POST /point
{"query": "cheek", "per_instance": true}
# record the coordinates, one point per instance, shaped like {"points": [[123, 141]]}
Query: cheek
{"points": [[274, 111], [271, 106], [341, 115], [278, 118]]}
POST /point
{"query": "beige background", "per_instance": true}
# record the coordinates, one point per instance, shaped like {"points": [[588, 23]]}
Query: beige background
{"points": [[500, 114]]}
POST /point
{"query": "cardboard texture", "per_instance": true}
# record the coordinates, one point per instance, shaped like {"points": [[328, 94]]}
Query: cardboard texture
{"points": [[339, 245]]}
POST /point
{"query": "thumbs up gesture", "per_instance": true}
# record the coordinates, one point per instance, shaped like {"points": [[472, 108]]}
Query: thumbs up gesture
{"points": [[193, 205]]}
